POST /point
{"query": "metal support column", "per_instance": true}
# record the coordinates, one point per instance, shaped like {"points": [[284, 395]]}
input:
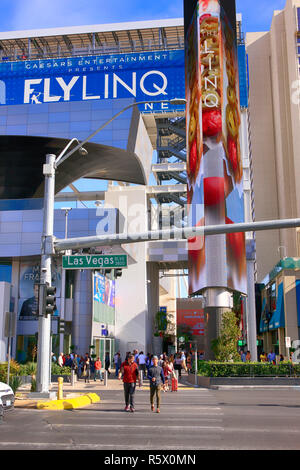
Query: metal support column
{"points": [[44, 328]]}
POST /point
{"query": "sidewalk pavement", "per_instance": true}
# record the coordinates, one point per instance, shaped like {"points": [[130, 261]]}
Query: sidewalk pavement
{"points": [[81, 388]]}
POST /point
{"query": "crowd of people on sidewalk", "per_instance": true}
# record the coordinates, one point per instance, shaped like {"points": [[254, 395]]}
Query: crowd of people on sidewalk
{"points": [[88, 367], [85, 367], [162, 371], [263, 357]]}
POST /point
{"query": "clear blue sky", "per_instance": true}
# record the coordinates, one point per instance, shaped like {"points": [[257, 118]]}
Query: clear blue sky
{"points": [[36, 14]]}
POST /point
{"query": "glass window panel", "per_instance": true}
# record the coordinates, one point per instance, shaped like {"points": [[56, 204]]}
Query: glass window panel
{"points": [[16, 119], [58, 127], [16, 130], [59, 117], [38, 109], [83, 116], [59, 107], [5, 272]]}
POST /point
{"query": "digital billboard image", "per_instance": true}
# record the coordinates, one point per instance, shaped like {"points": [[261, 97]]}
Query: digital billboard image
{"points": [[104, 290], [215, 184], [191, 320], [29, 289], [103, 299]]}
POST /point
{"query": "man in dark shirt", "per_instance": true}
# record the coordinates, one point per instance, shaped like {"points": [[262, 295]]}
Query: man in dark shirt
{"points": [[157, 379], [129, 370]]}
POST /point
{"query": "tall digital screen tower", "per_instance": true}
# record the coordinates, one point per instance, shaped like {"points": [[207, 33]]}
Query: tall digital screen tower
{"points": [[214, 167]]}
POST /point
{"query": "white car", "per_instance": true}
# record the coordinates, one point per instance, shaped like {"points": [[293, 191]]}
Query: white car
{"points": [[7, 396]]}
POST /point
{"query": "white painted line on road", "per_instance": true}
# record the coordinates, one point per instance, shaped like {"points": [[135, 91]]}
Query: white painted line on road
{"points": [[55, 445], [261, 430], [133, 426]]}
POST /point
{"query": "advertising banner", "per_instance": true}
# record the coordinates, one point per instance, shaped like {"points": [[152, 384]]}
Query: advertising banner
{"points": [[29, 289], [215, 184], [191, 320], [104, 290], [144, 76]]}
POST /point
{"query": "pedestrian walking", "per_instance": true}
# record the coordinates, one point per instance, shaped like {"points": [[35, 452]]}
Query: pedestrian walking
{"points": [[98, 371], [60, 360], [129, 370], [189, 363], [75, 364], [183, 361], [116, 363], [272, 357], [149, 361], [161, 360], [263, 357], [157, 380], [87, 371], [92, 363], [243, 356], [107, 363], [248, 356], [178, 364], [136, 354], [168, 372], [141, 360]]}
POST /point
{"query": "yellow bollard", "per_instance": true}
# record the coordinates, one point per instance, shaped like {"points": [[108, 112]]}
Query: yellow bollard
{"points": [[60, 392]]}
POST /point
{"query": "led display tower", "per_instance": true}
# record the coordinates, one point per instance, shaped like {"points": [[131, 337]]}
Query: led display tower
{"points": [[217, 264]]}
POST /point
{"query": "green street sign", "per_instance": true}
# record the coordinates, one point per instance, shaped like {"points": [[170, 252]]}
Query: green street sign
{"points": [[95, 261]]}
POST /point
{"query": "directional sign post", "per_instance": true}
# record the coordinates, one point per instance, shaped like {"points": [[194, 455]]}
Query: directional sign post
{"points": [[95, 261]]}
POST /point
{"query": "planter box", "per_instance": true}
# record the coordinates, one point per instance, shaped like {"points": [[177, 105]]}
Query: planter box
{"points": [[209, 382], [26, 379]]}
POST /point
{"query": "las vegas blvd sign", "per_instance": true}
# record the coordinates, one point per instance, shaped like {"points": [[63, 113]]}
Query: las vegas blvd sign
{"points": [[95, 261]]}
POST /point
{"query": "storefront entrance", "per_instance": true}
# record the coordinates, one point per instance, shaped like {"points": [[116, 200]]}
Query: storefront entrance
{"points": [[104, 346]]}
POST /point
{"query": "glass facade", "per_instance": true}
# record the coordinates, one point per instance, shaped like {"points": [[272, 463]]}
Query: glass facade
{"points": [[69, 120], [5, 272]]}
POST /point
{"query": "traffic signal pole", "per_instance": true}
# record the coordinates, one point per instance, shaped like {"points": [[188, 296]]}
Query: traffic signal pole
{"points": [[44, 328]]}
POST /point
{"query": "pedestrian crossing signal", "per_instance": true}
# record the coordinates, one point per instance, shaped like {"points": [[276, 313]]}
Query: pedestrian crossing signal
{"points": [[61, 326]]}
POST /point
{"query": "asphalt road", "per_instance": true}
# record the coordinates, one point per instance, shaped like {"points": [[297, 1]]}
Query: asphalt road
{"points": [[189, 420]]}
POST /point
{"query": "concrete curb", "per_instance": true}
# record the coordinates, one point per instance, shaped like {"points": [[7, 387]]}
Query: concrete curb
{"points": [[69, 404]]}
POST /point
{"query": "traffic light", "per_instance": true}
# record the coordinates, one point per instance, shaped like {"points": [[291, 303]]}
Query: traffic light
{"points": [[49, 300], [118, 273]]}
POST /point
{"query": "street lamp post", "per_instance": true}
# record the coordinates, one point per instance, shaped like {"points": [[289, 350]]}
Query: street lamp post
{"points": [[44, 329], [52, 162]]}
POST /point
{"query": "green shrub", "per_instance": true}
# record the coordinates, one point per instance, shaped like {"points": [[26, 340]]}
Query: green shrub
{"points": [[33, 385], [14, 368], [57, 370], [29, 368], [15, 382], [224, 347], [248, 369]]}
